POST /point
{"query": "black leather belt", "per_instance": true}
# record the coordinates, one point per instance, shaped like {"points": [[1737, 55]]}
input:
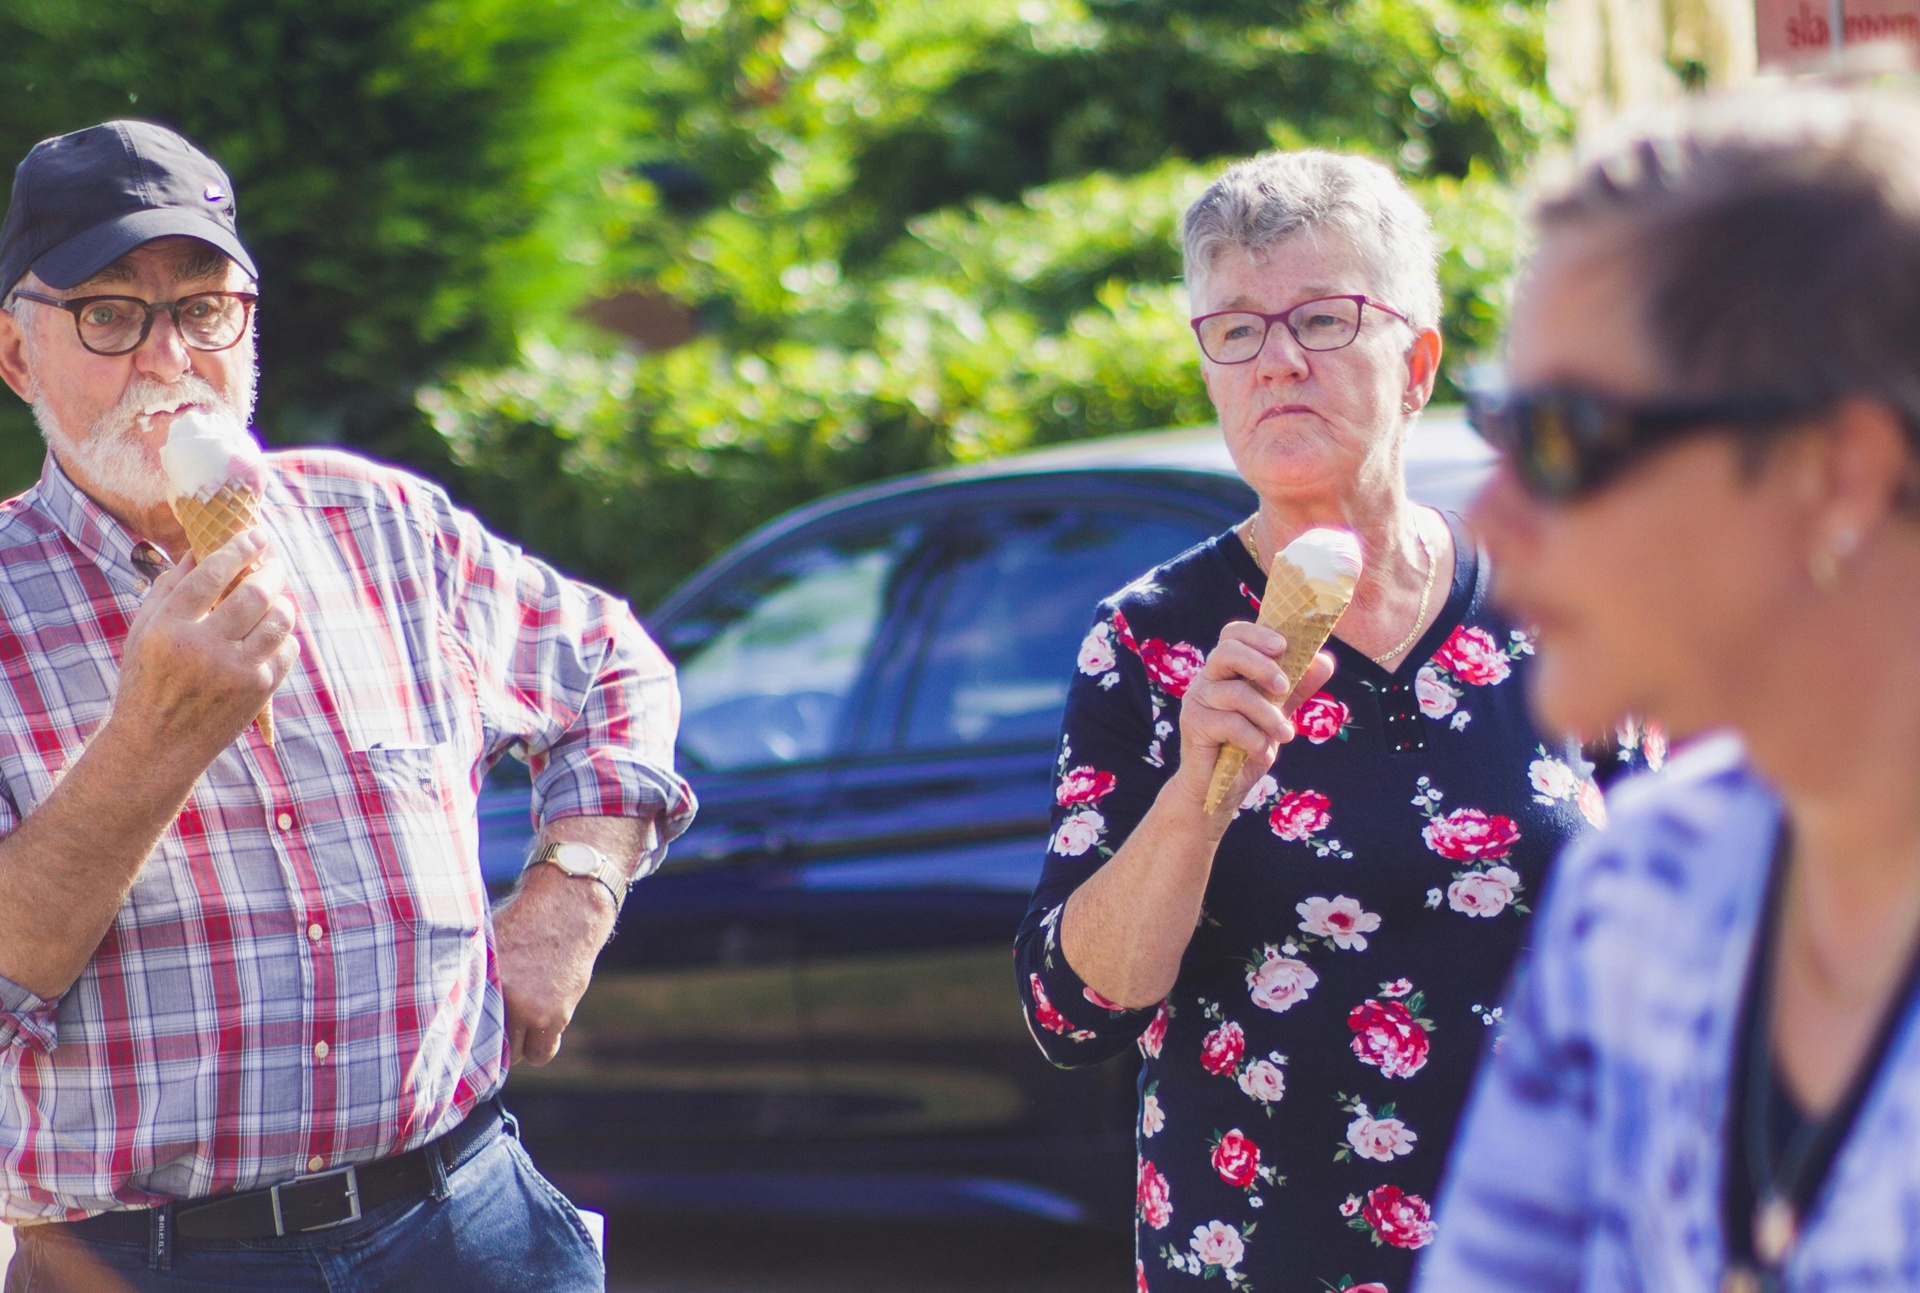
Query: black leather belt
{"points": [[318, 1201]]}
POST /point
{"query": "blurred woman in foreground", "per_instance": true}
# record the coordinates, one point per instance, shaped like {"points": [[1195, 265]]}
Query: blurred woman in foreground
{"points": [[1710, 1071]]}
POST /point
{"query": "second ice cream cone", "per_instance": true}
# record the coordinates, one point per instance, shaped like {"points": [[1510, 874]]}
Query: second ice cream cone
{"points": [[1307, 592]]}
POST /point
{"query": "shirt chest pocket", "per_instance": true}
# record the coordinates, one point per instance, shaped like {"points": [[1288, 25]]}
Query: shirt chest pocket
{"points": [[419, 854], [377, 659]]}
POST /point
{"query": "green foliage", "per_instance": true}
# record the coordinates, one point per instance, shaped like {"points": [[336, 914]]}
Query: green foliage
{"points": [[420, 180], [928, 231], [914, 231]]}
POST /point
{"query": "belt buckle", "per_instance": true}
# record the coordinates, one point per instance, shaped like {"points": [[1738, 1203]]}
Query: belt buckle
{"points": [[349, 1175]]}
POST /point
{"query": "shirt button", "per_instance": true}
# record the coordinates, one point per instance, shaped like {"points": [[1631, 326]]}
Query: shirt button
{"points": [[319, 1050], [314, 932], [315, 1163], [284, 821], [141, 584]]}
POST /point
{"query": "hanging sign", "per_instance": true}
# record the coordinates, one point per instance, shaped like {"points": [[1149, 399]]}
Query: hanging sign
{"points": [[1795, 34]]}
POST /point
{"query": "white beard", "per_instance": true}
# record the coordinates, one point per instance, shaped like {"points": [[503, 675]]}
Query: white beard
{"points": [[112, 458]]}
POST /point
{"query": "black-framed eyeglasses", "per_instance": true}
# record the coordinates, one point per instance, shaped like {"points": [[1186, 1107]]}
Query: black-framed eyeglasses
{"points": [[1324, 323], [119, 325], [1564, 441]]}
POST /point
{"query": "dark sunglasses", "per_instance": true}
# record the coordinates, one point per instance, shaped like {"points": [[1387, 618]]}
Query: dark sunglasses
{"points": [[1564, 442]]}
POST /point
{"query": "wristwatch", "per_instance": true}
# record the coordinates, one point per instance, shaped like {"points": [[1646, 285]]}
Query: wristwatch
{"points": [[586, 862]]}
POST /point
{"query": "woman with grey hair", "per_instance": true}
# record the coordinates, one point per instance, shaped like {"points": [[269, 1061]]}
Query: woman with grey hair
{"points": [[1711, 1077], [1309, 979]]}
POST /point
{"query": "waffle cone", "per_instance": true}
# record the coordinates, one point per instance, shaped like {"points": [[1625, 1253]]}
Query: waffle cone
{"points": [[1303, 611], [209, 523]]}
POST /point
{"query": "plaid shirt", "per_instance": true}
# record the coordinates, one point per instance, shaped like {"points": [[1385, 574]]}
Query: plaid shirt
{"points": [[302, 976]]}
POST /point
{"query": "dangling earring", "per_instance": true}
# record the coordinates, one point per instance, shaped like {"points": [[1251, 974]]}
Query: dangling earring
{"points": [[1824, 565]]}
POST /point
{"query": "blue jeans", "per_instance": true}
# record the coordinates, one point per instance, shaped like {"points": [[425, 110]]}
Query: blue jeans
{"points": [[503, 1227]]}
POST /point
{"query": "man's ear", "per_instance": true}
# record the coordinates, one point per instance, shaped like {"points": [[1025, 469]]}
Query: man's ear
{"points": [[13, 356]]}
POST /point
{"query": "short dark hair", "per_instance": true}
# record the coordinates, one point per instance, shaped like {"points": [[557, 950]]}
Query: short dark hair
{"points": [[1774, 239]]}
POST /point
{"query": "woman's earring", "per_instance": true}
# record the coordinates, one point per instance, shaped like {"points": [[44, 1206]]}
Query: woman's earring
{"points": [[1824, 565]]}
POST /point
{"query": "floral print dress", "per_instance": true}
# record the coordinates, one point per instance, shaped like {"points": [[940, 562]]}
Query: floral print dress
{"points": [[1301, 1082]]}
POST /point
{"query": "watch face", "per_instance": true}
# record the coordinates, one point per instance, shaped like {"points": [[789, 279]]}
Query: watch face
{"points": [[576, 859]]}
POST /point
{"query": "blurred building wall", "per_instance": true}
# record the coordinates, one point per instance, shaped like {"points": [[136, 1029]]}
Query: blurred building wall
{"points": [[1606, 57]]}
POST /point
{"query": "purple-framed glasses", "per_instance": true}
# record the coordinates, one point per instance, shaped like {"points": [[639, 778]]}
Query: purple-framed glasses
{"points": [[1324, 323]]}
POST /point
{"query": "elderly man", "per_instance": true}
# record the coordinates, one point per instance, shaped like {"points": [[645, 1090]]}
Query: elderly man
{"points": [[253, 1011]]}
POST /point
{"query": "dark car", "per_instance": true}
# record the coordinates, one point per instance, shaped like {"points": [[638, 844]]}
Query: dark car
{"points": [[810, 1008]]}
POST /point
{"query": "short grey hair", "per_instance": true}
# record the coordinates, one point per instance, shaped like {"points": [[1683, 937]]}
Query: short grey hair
{"points": [[1772, 241], [1271, 197]]}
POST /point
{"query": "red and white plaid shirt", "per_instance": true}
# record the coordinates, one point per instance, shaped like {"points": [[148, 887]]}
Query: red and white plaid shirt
{"points": [[302, 976]]}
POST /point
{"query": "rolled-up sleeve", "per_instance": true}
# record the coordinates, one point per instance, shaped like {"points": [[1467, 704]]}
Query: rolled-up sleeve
{"points": [[567, 679], [25, 1019]]}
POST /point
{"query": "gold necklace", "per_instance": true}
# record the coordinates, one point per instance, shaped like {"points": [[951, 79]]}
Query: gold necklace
{"points": [[1426, 591], [1249, 531]]}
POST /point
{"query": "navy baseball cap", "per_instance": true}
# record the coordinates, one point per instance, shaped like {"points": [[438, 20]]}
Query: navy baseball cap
{"points": [[84, 200]]}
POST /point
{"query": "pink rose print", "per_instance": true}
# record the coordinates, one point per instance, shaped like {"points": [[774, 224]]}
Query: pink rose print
{"points": [[1222, 1049], [1321, 718], [1140, 1277], [1156, 1034], [1388, 1037], [1153, 1196], [1552, 780], [1371, 1286], [1351, 1208], [1237, 1159], [1436, 698], [1124, 632], [1592, 802], [1470, 835], [1049, 1018], [1299, 814], [1264, 1081], [1100, 1000], [1279, 982], [1398, 988], [1173, 667], [1079, 831], [1084, 786], [1472, 656], [1403, 1220], [1484, 893], [1261, 790], [1218, 1244], [1342, 921], [1096, 651], [1382, 1138], [1653, 744]]}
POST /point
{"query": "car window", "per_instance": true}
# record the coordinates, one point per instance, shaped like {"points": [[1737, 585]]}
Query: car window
{"points": [[769, 660], [1024, 583]]}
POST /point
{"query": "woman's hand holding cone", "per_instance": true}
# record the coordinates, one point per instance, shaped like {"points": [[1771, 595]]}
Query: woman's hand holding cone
{"points": [[1242, 700]]}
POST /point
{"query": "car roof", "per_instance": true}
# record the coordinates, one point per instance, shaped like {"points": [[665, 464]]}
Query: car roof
{"points": [[1445, 461], [1445, 464]]}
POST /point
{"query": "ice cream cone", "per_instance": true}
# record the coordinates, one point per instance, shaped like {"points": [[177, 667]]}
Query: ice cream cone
{"points": [[209, 523], [1307, 593]]}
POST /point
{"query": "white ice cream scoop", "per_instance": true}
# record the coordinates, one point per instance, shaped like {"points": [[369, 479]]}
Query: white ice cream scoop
{"points": [[1326, 555], [205, 451]]}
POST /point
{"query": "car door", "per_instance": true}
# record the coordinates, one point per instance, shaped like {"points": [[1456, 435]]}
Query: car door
{"points": [[932, 834], [687, 1054]]}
